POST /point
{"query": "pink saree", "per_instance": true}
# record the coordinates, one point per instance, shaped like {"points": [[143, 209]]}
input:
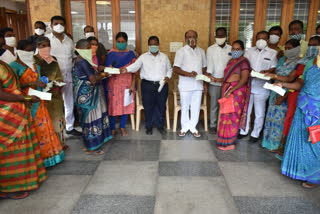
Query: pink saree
{"points": [[231, 122]]}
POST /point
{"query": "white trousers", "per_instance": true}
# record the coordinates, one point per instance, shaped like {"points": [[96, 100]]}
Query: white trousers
{"points": [[259, 102], [67, 94], [190, 100]]}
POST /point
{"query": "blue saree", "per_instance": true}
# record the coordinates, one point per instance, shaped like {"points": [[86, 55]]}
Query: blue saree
{"points": [[91, 103], [301, 159]]}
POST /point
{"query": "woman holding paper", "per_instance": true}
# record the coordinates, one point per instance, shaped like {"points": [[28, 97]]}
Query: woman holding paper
{"points": [[116, 85], [301, 159], [90, 99], [236, 86], [21, 165], [278, 105], [49, 68], [29, 77]]}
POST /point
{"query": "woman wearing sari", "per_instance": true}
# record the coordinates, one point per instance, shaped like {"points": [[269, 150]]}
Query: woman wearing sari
{"points": [[21, 166], [303, 65], [301, 159], [117, 84], [90, 99], [278, 105], [29, 77], [49, 68], [236, 83]]}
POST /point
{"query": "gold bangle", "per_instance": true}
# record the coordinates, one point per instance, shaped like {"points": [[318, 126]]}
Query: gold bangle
{"points": [[27, 98], [276, 76]]}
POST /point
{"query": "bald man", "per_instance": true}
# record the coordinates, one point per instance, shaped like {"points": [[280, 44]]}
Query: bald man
{"points": [[190, 61]]}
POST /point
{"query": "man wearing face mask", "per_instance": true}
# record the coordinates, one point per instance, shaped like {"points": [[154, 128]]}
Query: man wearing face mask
{"points": [[155, 67], [264, 60], [217, 59], [190, 61], [8, 50], [62, 49], [275, 35], [39, 30], [101, 52], [296, 32]]}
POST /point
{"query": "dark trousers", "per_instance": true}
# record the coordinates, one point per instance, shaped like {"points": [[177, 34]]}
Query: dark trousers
{"points": [[154, 103]]}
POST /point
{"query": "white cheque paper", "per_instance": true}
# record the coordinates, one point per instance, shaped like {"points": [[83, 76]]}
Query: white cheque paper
{"points": [[274, 88], [259, 75], [112, 70], [162, 83], [203, 77], [40, 94], [128, 97]]}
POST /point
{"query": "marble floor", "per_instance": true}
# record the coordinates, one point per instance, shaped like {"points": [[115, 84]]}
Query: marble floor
{"points": [[142, 174]]}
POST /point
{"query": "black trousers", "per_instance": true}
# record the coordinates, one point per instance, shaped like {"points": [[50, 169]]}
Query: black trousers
{"points": [[154, 103]]}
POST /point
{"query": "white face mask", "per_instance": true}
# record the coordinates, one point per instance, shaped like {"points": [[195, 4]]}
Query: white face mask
{"points": [[26, 57], [221, 41], [10, 41], [58, 28], [89, 34], [274, 39], [39, 31], [261, 44]]}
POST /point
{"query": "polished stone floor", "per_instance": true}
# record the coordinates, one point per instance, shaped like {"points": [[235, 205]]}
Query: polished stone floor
{"points": [[142, 174]]}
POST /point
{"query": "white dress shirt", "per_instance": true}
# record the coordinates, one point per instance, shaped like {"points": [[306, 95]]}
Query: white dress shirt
{"points": [[8, 57], [188, 60], [153, 68], [64, 52], [217, 60], [259, 61]]}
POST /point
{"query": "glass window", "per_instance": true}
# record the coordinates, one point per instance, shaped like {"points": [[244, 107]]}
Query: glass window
{"points": [[273, 13], [301, 12], [128, 22], [246, 22], [318, 20], [223, 13], [104, 23], [78, 16]]}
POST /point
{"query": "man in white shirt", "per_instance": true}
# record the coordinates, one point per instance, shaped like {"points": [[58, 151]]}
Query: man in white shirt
{"points": [[155, 68], [62, 48], [189, 61], [217, 59], [8, 49], [264, 60]]}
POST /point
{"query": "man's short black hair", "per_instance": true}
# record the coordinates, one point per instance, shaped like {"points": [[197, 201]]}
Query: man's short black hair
{"points": [[185, 35], [263, 31], [276, 28], [40, 23], [153, 38], [221, 29], [58, 18], [88, 26], [296, 22], [4, 30]]}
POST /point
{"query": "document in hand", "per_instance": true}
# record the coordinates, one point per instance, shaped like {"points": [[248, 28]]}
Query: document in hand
{"points": [[203, 77], [40, 94], [60, 84], [128, 97], [48, 88], [274, 88], [259, 75], [112, 70], [162, 83]]}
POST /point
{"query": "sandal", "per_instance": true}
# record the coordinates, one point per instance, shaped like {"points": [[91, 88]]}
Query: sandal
{"points": [[308, 186], [96, 152], [181, 134], [123, 132], [15, 196], [227, 148], [196, 134]]}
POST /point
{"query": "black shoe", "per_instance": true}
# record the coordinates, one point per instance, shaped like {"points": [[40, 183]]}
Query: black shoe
{"points": [[253, 139], [162, 131], [74, 132], [149, 131], [240, 136], [213, 130]]}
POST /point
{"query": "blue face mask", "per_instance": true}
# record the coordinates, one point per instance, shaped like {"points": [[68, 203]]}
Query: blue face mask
{"points": [[153, 48], [236, 54], [312, 51], [121, 46], [297, 36]]}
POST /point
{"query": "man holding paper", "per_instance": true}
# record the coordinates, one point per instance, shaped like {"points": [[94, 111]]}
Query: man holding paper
{"points": [[190, 61], [155, 73], [263, 60]]}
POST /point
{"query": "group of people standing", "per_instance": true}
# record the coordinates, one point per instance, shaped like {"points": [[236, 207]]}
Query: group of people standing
{"points": [[32, 130]]}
